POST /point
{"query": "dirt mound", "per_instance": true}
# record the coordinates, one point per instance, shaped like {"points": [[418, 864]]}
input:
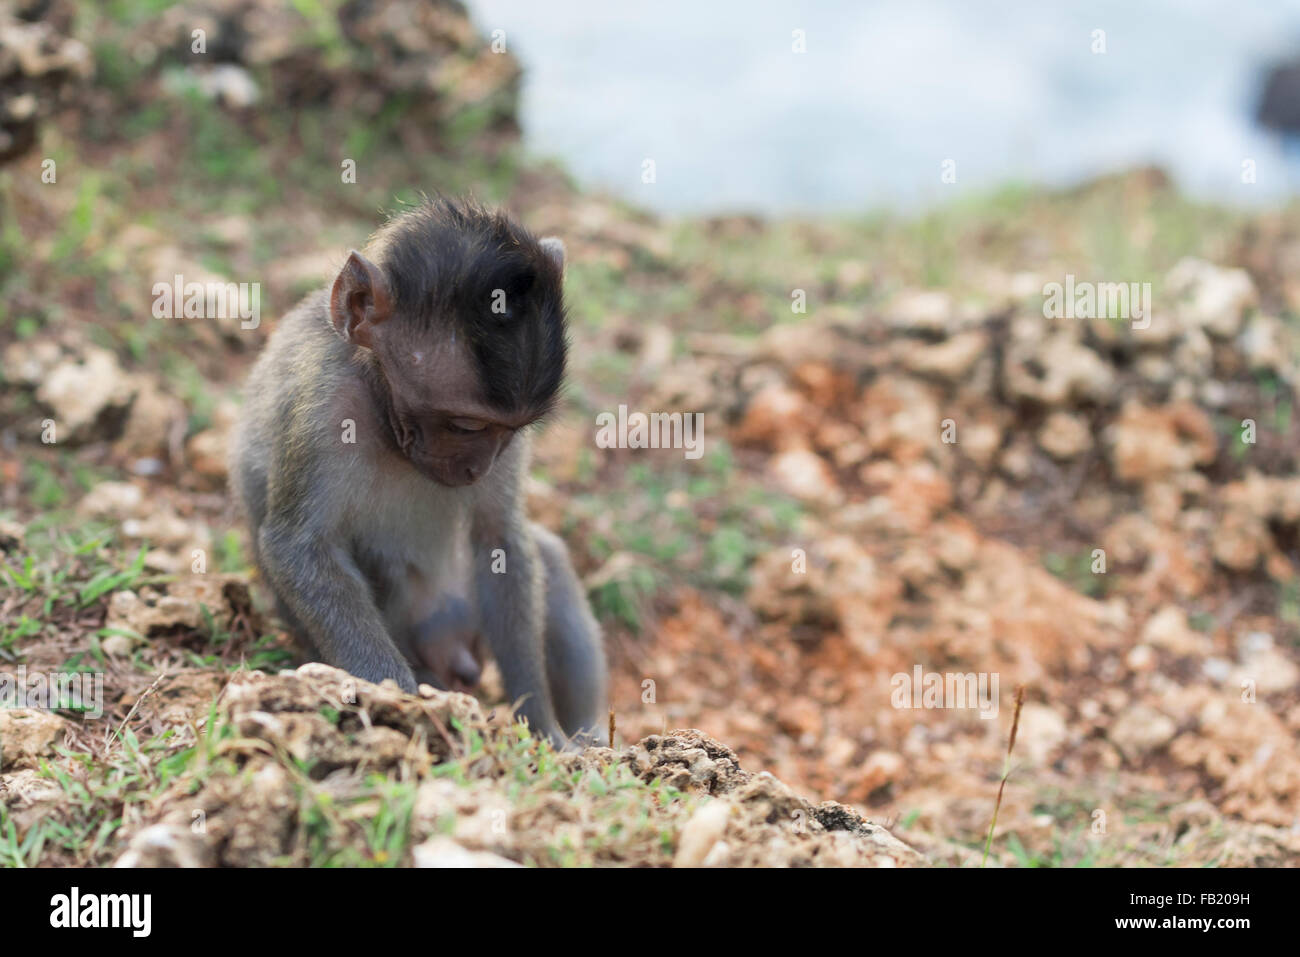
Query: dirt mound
{"points": [[287, 774]]}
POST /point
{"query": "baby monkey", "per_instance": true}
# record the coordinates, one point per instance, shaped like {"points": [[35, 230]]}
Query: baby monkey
{"points": [[380, 459]]}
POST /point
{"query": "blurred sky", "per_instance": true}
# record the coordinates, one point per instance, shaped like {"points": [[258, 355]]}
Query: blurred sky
{"points": [[888, 89]]}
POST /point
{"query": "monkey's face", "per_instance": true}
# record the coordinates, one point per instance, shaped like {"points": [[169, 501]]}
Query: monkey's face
{"points": [[451, 450], [438, 417], [466, 322]]}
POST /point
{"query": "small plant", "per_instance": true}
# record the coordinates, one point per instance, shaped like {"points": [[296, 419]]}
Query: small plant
{"points": [[1006, 771]]}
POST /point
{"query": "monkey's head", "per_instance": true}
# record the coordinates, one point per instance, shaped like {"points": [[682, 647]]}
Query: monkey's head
{"points": [[461, 319]]}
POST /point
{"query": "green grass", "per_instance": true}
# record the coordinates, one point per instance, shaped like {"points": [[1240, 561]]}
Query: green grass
{"points": [[337, 820], [703, 521], [60, 574], [1075, 569], [96, 789]]}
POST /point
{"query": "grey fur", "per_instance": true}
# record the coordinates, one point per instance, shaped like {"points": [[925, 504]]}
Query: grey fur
{"points": [[355, 543]]}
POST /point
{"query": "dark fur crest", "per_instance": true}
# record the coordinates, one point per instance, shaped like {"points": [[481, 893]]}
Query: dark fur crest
{"points": [[445, 258]]}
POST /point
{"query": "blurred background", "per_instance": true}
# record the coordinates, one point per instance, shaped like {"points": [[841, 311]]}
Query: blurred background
{"points": [[908, 461], [1027, 92]]}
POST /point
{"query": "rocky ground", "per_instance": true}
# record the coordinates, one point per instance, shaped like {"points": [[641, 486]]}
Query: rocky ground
{"points": [[906, 464]]}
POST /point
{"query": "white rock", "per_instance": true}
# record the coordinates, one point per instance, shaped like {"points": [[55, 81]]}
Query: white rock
{"points": [[1140, 730], [27, 734], [1064, 436], [1265, 343], [1057, 370], [29, 362], [117, 500], [1217, 670], [1042, 731], [117, 646], [1269, 669], [163, 845], [230, 84], [805, 475], [1212, 298], [79, 391], [444, 852], [948, 360], [922, 310], [1168, 629], [698, 836]]}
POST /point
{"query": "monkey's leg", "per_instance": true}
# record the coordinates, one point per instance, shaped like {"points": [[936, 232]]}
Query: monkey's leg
{"points": [[332, 603], [511, 613], [295, 628], [575, 653]]}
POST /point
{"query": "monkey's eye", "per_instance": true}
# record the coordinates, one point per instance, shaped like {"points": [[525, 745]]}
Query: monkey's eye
{"points": [[465, 426]]}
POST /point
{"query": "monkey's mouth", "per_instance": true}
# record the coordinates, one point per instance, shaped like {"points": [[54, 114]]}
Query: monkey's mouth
{"points": [[449, 482], [446, 475]]}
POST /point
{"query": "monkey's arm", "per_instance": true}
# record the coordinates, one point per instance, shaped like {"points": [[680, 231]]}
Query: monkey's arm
{"points": [[511, 601], [326, 592]]}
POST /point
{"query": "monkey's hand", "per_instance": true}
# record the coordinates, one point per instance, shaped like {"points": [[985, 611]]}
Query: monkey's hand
{"points": [[583, 740], [567, 745], [321, 585]]}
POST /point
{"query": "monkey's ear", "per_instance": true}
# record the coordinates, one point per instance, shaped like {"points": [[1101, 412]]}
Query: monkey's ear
{"points": [[553, 246], [359, 299]]}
